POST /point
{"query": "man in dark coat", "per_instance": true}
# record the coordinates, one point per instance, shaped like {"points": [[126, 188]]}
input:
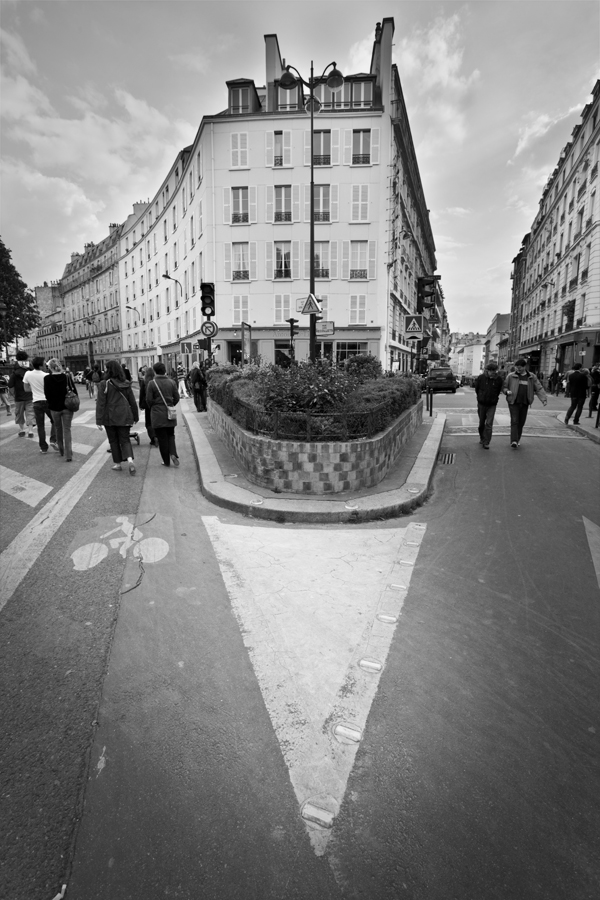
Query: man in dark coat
{"points": [[488, 387], [578, 388]]}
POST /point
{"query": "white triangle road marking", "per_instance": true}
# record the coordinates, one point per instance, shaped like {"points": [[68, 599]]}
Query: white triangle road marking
{"points": [[23, 488], [317, 611], [593, 535]]}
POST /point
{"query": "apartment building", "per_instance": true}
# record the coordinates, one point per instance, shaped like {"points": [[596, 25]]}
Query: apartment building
{"points": [[234, 209], [555, 313], [497, 332]]}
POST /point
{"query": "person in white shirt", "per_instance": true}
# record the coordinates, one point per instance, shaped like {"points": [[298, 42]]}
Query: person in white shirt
{"points": [[35, 379]]}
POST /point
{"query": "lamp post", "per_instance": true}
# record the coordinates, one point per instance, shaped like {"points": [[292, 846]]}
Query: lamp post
{"points": [[288, 82], [170, 278]]}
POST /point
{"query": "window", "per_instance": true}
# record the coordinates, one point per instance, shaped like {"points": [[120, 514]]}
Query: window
{"points": [[362, 94], [321, 259], [283, 267], [174, 218], [240, 309], [322, 203], [344, 349], [360, 203], [278, 148], [287, 99], [322, 148], [239, 100], [283, 203], [165, 232], [361, 147], [241, 269], [239, 199], [192, 232], [282, 308], [239, 150], [358, 259]]}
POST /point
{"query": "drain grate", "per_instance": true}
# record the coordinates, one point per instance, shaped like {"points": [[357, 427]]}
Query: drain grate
{"points": [[446, 459]]}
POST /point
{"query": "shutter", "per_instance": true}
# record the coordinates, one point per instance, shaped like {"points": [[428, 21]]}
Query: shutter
{"points": [[227, 257], [200, 218], [307, 259], [278, 312], [307, 148], [252, 247], [295, 259], [372, 268], [268, 260], [345, 260], [353, 309], [295, 203], [269, 148], [244, 150], [335, 147], [245, 308], [334, 204], [347, 146], [374, 146], [226, 206], [364, 202], [307, 202], [355, 217], [287, 148], [269, 205], [237, 309], [333, 259], [235, 152], [362, 309], [287, 312], [252, 203]]}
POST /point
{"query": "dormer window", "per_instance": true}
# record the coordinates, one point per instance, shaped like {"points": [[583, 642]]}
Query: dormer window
{"points": [[239, 100], [287, 100]]}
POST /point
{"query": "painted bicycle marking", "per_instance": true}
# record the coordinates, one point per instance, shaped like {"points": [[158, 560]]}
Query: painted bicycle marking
{"points": [[126, 539]]}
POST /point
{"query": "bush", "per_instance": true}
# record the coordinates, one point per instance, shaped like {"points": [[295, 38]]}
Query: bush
{"points": [[363, 366]]}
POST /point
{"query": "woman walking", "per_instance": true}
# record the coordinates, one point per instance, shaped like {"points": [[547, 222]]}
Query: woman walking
{"points": [[161, 395], [145, 375], [56, 385], [117, 411]]}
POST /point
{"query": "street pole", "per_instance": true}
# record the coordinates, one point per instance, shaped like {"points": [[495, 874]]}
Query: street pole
{"points": [[312, 341]]}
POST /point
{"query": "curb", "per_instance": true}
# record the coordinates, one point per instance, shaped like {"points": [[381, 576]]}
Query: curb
{"points": [[591, 435], [413, 493]]}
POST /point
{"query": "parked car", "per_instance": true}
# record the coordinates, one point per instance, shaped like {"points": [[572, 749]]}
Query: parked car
{"points": [[441, 379]]}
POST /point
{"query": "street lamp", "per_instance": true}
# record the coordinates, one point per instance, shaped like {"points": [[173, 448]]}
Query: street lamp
{"points": [[170, 278], [288, 82]]}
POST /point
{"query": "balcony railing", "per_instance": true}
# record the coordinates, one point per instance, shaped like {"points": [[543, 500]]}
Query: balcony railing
{"points": [[584, 275], [573, 283], [321, 273], [283, 216], [239, 217], [322, 216], [361, 159], [322, 159], [283, 273], [278, 161], [358, 274], [241, 275]]}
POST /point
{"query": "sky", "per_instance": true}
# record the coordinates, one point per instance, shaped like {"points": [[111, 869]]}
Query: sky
{"points": [[98, 96]]}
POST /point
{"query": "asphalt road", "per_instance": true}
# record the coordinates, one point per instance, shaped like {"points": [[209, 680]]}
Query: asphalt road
{"points": [[477, 773]]}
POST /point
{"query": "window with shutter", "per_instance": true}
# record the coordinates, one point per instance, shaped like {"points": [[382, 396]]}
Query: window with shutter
{"points": [[346, 259], [358, 309], [269, 149], [227, 206]]}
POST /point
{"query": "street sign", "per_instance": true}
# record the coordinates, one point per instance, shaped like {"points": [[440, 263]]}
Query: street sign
{"points": [[209, 329], [311, 305], [413, 325], [325, 328], [185, 347]]}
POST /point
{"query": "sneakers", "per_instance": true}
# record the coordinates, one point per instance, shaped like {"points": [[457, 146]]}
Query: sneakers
{"points": [[514, 445], [55, 446], [117, 468], [175, 460], [30, 434], [486, 446], [42, 450], [131, 469], [21, 434]]}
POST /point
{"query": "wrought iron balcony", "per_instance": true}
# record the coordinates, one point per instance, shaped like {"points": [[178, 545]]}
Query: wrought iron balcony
{"points": [[283, 216], [359, 274], [239, 217], [321, 273], [322, 159], [322, 216], [361, 159], [241, 275]]}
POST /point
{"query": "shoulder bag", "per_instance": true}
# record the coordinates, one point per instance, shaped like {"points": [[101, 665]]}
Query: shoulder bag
{"points": [[71, 397], [171, 411]]}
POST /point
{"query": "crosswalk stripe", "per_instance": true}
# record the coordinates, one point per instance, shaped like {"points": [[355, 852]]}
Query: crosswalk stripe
{"points": [[81, 448], [23, 488]]}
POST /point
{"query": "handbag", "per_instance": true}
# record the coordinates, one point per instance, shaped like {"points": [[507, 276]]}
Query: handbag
{"points": [[171, 411], [71, 397]]}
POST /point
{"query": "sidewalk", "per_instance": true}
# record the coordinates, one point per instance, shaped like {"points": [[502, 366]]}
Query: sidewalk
{"points": [[586, 426], [405, 486]]}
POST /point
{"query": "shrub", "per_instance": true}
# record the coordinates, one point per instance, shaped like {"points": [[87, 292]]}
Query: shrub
{"points": [[363, 366]]}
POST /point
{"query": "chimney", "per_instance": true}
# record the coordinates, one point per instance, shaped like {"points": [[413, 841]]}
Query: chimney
{"points": [[274, 68]]}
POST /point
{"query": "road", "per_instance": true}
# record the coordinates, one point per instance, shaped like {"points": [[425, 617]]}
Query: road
{"points": [[467, 767]]}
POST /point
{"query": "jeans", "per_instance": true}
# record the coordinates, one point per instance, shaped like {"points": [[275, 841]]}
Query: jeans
{"points": [[40, 411], [518, 416], [120, 443], [575, 407], [200, 399], [62, 423], [148, 424], [486, 421], [24, 414], [166, 443]]}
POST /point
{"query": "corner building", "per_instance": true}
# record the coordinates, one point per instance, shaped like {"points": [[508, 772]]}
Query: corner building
{"points": [[235, 207]]}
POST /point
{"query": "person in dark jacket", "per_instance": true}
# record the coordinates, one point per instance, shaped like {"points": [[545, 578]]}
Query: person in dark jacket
{"points": [[520, 388], [145, 375], [23, 398], [56, 385], [595, 390], [488, 387], [198, 385], [117, 411], [162, 392], [578, 389]]}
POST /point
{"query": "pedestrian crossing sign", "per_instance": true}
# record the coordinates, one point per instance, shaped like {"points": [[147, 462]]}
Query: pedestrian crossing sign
{"points": [[413, 325], [311, 305]]}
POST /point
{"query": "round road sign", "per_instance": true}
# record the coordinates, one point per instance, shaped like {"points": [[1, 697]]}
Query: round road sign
{"points": [[209, 329]]}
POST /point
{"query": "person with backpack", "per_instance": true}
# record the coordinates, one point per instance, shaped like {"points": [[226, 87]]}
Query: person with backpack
{"points": [[23, 397], [96, 379]]}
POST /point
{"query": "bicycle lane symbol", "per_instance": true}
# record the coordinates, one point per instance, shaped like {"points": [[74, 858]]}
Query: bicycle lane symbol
{"points": [[125, 538]]}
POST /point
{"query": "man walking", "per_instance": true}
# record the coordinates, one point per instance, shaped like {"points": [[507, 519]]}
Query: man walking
{"points": [[520, 388], [595, 390], [35, 379], [488, 387], [22, 394], [578, 388], [198, 383]]}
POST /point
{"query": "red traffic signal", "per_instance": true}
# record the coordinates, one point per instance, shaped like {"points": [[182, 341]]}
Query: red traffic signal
{"points": [[207, 299], [425, 291]]}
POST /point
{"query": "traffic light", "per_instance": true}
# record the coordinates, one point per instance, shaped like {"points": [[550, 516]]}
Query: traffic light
{"points": [[207, 299], [293, 330], [425, 292]]}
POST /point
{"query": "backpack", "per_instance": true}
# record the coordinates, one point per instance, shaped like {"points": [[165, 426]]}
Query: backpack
{"points": [[95, 377]]}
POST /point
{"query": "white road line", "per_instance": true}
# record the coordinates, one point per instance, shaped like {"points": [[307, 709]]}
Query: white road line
{"points": [[23, 551], [21, 487], [81, 448], [7, 440], [593, 535]]}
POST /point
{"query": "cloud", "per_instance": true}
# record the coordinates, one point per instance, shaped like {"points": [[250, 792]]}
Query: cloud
{"points": [[458, 211], [192, 61], [202, 62], [15, 55], [359, 57], [538, 125]]}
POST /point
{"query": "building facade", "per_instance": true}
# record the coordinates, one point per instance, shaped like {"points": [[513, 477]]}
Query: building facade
{"points": [[234, 210], [49, 301], [457, 343], [497, 332], [555, 312]]}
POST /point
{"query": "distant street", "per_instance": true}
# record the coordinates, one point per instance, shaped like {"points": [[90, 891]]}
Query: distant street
{"points": [[162, 744]]}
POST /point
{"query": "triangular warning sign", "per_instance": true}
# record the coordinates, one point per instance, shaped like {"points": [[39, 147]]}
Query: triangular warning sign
{"points": [[317, 619], [311, 305], [413, 325]]}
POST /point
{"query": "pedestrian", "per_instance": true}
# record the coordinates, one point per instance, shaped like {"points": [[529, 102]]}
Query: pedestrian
{"points": [[520, 388], [162, 395], [35, 379], [56, 385], [127, 373], [553, 381], [145, 375], [22, 395], [488, 387], [595, 390], [117, 411], [578, 391], [96, 379], [4, 395], [199, 384], [87, 377], [181, 382]]}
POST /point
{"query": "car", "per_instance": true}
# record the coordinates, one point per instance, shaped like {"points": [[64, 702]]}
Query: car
{"points": [[441, 379]]}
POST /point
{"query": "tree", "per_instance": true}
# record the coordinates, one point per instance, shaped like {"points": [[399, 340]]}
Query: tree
{"points": [[22, 315]]}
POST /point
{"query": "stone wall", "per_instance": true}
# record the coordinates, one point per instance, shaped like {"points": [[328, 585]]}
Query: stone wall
{"points": [[315, 468]]}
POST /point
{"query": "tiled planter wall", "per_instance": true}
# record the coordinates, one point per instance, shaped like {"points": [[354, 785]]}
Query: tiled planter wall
{"points": [[315, 468]]}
